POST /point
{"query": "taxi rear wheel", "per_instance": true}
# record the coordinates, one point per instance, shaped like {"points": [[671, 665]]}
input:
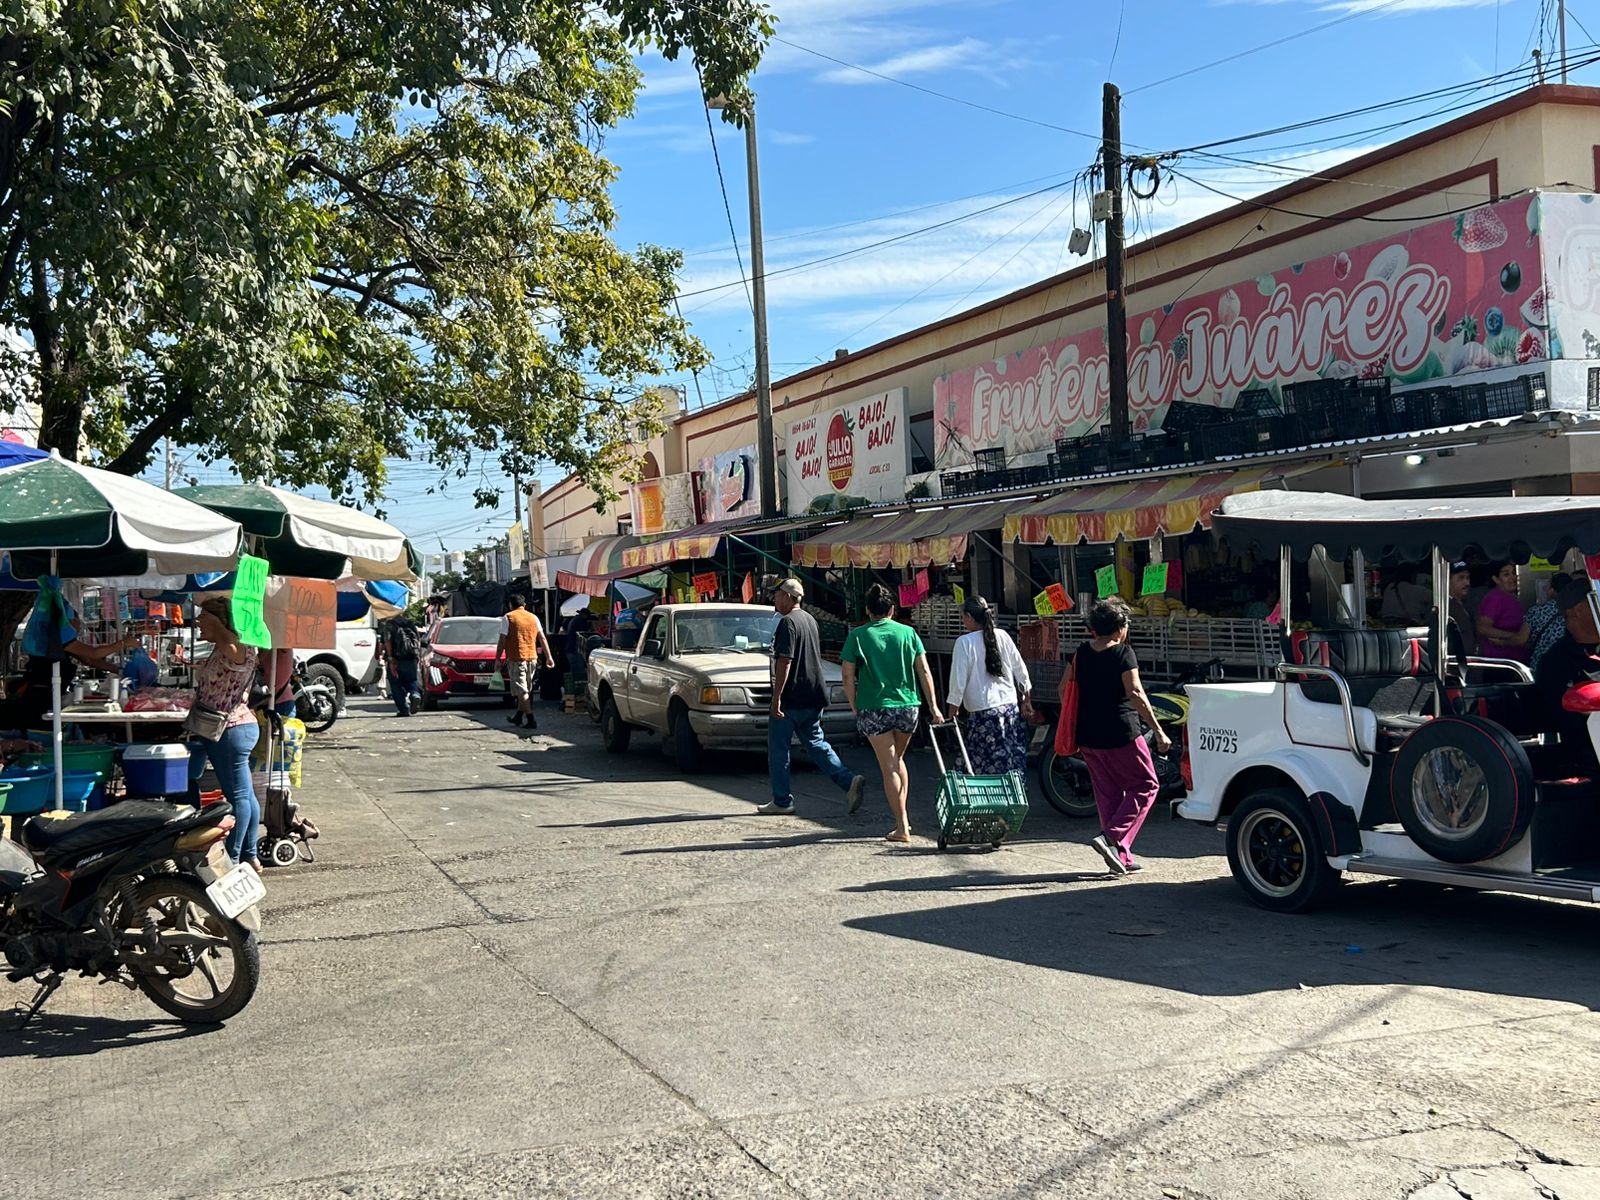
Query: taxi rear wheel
{"points": [[1274, 853]]}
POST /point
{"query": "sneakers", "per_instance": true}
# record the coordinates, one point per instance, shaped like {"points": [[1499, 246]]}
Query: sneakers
{"points": [[1132, 864], [773, 807], [853, 794], [1105, 850]]}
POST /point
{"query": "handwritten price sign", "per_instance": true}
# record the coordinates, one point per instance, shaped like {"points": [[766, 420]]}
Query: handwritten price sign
{"points": [[1105, 582]]}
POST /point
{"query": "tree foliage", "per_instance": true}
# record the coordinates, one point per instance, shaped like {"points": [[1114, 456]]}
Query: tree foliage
{"points": [[305, 237]]}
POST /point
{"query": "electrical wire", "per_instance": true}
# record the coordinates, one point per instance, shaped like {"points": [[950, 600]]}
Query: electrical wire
{"points": [[927, 91], [722, 186], [1122, 11], [1235, 57], [870, 246], [1290, 212], [982, 283], [1002, 190]]}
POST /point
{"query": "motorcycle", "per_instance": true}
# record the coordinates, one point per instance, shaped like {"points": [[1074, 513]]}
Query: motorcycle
{"points": [[315, 702], [1065, 781], [142, 894]]}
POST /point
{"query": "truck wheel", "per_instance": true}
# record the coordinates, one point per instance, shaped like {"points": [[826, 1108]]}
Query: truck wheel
{"points": [[1463, 788], [685, 742], [1065, 784], [1274, 853], [614, 731], [334, 678]]}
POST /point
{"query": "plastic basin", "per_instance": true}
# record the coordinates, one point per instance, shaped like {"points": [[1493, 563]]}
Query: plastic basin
{"points": [[32, 789], [77, 756]]}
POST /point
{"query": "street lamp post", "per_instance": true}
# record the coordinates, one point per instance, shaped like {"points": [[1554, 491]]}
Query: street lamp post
{"points": [[766, 450]]}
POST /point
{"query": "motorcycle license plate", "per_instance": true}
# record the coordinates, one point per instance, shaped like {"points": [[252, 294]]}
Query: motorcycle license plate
{"points": [[237, 891]]}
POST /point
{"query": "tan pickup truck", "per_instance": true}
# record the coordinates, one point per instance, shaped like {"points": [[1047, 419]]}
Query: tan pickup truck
{"points": [[701, 677]]}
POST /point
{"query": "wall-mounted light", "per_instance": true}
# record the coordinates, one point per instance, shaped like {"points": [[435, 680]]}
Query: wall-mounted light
{"points": [[1413, 460]]}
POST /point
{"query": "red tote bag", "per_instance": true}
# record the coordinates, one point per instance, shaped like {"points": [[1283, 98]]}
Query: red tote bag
{"points": [[1067, 730]]}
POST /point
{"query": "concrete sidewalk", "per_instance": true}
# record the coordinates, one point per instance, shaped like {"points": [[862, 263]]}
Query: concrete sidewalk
{"points": [[523, 967]]}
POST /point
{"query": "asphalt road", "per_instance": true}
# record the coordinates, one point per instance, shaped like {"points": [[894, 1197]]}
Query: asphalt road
{"points": [[522, 967]]}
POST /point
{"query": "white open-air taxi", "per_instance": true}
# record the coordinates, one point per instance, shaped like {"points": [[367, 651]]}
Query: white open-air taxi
{"points": [[1379, 751]]}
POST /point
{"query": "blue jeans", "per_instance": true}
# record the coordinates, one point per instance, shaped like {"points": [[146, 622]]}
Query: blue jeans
{"points": [[403, 686], [807, 725], [229, 756]]}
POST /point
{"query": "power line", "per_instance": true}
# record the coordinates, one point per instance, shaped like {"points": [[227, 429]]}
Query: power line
{"points": [[927, 91], [1236, 56], [1290, 212], [817, 262], [722, 186], [1122, 11]]}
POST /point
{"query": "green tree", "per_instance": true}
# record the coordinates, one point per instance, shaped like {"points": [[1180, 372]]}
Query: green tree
{"points": [[306, 237]]}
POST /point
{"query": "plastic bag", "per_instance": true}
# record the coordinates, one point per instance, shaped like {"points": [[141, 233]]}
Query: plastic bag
{"points": [[497, 682], [50, 620]]}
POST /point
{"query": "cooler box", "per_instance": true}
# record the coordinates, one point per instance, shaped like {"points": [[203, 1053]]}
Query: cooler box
{"points": [[159, 770]]}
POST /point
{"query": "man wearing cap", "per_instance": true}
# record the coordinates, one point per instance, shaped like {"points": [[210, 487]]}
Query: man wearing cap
{"points": [[1568, 662], [799, 694]]}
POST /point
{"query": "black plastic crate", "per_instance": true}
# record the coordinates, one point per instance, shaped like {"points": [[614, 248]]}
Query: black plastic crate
{"points": [[1184, 416], [957, 483], [1413, 411], [1492, 401], [1539, 399], [1257, 402], [1247, 435], [990, 460], [1335, 410]]}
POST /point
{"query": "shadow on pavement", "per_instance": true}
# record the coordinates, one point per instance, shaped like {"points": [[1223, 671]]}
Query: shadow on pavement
{"points": [[976, 881], [62, 1035], [663, 819], [1207, 939]]}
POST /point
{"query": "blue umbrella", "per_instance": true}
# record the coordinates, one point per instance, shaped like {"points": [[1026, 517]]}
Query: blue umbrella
{"points": [[12, 453]]}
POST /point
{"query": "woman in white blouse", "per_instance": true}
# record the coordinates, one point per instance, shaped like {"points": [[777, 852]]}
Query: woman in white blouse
{"points": [[988, 680]]}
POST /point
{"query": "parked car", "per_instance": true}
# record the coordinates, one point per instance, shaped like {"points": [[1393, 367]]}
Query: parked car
{"points": [[459, 660], [1371, 752], [700, 676]]}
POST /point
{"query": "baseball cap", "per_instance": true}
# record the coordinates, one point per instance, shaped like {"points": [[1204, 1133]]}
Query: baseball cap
{"points": [[1458, 568], [791, 587]]}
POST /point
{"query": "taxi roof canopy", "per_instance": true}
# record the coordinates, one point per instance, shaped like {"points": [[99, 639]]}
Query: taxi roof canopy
{"points": [[1513, 527]]}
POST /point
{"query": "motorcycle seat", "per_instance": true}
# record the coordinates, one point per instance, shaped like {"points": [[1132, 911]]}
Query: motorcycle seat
{"points": [[57, 837]]}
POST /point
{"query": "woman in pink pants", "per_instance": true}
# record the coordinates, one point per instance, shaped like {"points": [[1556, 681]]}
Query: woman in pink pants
{"points": [[1111, 703]]}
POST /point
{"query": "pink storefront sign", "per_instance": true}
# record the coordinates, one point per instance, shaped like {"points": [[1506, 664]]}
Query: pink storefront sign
{"points": [[1436, 301]]}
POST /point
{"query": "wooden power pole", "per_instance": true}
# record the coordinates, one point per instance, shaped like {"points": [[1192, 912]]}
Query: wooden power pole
{"points": [[1116, 308]]}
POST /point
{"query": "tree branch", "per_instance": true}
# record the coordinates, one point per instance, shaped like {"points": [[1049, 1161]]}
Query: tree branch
{"points": [[136, 455]]}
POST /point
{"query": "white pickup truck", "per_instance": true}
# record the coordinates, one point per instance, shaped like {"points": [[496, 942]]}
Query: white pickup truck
{"points": [[701, 676]]}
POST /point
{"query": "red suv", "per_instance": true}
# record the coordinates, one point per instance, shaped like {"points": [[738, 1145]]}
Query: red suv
{"points": [[460, 660]]}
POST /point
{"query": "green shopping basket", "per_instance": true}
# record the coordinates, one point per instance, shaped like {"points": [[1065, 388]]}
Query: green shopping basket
{"points": [[976, 809]]}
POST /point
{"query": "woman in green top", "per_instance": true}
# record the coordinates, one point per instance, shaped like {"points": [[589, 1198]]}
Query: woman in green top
{"points": [[883, 662]]}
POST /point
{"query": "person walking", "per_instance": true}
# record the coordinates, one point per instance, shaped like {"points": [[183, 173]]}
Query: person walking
{"points": [[222, 683], [1111, 704], [402, 647], [799, 695], [523, 646], [883, 663], [989, 679]]}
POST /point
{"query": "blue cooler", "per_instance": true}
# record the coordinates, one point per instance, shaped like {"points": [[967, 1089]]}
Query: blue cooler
{"points": [[159, 770]]}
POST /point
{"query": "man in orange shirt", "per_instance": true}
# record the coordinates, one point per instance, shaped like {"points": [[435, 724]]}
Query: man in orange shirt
{"points": [[523, 645]]}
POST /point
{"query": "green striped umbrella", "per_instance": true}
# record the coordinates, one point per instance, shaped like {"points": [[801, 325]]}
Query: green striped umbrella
{"points": [[312, 539], [98, 524]]}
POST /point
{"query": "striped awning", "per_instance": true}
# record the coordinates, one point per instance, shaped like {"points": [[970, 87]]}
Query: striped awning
{"points": [[921, 537], [698, 541], [1137, 509], [599, 565]]}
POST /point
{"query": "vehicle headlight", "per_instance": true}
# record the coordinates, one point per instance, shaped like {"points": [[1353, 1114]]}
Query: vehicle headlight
{"points": [[724, 695], [836, 694], [443, 660]]}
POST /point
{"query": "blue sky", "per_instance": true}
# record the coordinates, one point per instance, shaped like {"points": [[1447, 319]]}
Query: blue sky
{"points": [[848, 159]]}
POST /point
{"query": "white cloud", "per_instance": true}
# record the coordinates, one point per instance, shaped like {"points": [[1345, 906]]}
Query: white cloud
{"points": [[967, 54], [785, 137]]}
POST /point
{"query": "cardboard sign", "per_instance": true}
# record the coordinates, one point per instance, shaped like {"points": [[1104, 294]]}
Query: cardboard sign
{"points": [[1060, 601], [1105, 582], [908, 595], [705, 584], [1155, 580], [958, 593], [249, 594], [747, 589], [1043, 605], [302, 613]]}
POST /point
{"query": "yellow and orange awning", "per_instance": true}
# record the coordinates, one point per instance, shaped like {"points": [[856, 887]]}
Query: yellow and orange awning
{"points": [[925, 537], [1137, 509]]}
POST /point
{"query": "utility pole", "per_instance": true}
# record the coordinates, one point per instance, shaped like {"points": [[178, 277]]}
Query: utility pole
{"points": [[766, 451], [1116, 309], [516, 496], [1561, 23], [169, 471]]}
